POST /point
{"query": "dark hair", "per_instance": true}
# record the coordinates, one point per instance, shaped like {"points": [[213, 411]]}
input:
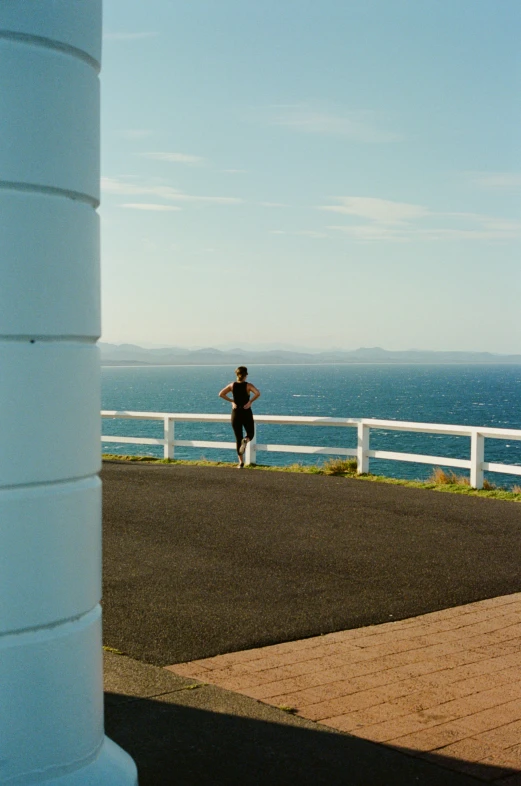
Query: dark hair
{"points": [[241, 372]]}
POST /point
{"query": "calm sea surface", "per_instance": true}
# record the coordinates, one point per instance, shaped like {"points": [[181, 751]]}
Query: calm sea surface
{"points": [[462, 395]]}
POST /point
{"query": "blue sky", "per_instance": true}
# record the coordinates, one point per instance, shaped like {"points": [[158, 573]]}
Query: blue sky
{"points": [[336, 174]]}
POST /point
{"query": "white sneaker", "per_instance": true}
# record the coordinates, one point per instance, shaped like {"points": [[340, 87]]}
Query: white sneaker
{"points": [[243, 446]]}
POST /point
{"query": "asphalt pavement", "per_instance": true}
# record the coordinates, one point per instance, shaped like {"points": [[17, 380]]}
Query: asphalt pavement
{"points": [[199, 561]]}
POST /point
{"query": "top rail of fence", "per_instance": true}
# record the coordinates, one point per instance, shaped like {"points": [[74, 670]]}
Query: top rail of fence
{"points": [[307, 420]]}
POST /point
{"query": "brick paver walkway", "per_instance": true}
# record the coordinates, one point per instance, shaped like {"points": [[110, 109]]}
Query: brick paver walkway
{"points": [[446, 683]]}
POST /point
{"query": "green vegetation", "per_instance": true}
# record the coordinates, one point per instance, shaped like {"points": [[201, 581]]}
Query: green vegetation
{"points": [[113, 650], [440, 480], [154, 460]]}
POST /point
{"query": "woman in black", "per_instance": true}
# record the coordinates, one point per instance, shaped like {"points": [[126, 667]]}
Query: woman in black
{"points": [[242, 416]]}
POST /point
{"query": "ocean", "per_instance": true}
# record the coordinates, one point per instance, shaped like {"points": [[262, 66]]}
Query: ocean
{"points": [[475, 395]]}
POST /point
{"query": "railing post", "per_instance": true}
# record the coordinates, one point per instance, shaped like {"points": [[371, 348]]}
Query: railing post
{"points": [[362, 449], [477, 457], [250, 457], [168, 450]]}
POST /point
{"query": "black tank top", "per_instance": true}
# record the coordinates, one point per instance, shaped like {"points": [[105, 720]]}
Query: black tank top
{"points": [[240, 393]]}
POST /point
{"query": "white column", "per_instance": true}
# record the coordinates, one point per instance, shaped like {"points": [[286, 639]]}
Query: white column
{"points": [[477, 457], [362, 449], [51, 690]]}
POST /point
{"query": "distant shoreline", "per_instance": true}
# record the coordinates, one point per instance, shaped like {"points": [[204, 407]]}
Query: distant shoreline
{"points": [[114, 355], [128, 364]]}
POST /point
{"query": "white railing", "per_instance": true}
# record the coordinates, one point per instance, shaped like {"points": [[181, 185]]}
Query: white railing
{"points": [[477, 434]]}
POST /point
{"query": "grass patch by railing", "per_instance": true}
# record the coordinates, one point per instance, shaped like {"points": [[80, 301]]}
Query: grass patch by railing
{"points": [[439, 480]]}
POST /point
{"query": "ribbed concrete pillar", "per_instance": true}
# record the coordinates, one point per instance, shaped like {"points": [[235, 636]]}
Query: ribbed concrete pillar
{"points": [[51, 696]]}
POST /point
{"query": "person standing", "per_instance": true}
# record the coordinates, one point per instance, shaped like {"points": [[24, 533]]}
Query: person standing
{"points": [[242, 416]]}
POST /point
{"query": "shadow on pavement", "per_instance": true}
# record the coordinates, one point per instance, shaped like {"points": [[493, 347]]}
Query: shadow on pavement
{"points": [[175, 741]]}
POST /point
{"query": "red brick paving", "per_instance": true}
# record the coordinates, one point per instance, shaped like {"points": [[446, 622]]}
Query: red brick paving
{"points": [[446, 684]]}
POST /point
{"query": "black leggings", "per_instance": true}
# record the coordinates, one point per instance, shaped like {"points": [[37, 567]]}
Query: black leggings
{"points": [[242, 418]]}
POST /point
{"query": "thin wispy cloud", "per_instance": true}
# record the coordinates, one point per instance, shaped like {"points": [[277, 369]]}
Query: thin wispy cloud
{"points": [[370, 232], [300, 233], [387, 234], [400, 222], [356, 126], [384, 211], [148, 206], [127, 187], [488, 231], [129, 36], [136, 133], [187, 158], [497, 180], [175, 158]]}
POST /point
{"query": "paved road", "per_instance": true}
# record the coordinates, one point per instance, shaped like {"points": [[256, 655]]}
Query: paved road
{"points": [[201, 561]]}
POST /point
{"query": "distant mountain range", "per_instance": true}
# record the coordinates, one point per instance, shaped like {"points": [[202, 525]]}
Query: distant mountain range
{"points": [[132, 355]]}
